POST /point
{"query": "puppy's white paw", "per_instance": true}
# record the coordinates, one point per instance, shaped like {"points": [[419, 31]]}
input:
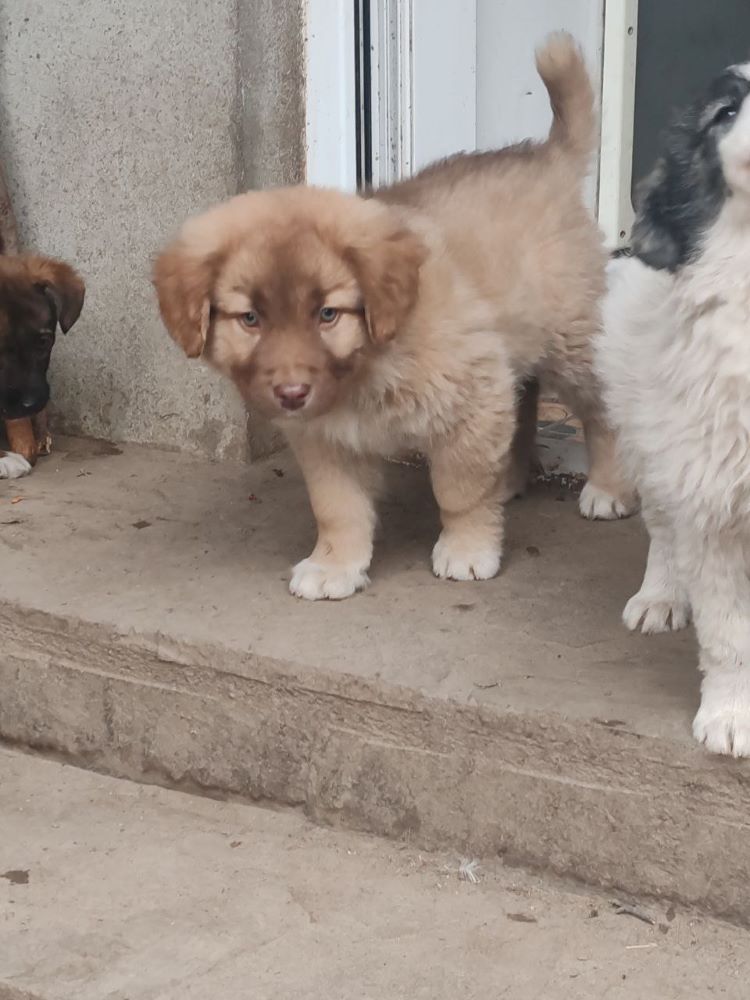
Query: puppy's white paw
{"points": [[453, 559], [598, 505], [651, 613], [723, 720], [13, 466], [316, 582]]}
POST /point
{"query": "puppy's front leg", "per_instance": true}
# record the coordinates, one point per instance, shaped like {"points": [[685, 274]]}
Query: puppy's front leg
{"points": [[662, 603], [720, 595], [466, 482], [341, 489], [13, 466], [22, 439]]}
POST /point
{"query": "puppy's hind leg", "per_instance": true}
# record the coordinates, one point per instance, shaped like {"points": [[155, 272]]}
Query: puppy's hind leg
{"points": [[523, 449], [606, 496], [570, 371]]}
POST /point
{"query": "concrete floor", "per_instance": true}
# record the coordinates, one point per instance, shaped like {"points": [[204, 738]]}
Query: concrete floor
{"points": [[148, 633], [114, 891], [157, 542]]}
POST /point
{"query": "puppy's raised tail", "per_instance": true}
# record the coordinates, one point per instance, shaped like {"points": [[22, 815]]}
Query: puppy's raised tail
{"points": [[561, 66]]}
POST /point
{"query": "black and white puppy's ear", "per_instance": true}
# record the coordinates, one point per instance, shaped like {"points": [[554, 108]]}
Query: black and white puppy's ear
{"points": [[655, 238]]}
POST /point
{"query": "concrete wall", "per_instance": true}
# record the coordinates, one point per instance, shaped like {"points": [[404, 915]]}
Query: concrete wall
{"points": [[118, 118]]}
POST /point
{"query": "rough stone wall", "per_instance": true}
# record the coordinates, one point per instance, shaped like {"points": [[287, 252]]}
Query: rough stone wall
{"points": [[118, 118]]}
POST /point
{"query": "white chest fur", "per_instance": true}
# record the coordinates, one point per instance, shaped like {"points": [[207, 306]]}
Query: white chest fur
{"points": [[677, 362]]}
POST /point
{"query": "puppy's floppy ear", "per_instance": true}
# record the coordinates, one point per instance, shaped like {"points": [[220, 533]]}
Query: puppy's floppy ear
{"points": [[61, 284], [386, 265], [656, 237], [183, 282]]}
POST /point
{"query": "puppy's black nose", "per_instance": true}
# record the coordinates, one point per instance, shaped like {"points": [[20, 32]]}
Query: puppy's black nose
{"points": [[292, 395], [17, 404]]}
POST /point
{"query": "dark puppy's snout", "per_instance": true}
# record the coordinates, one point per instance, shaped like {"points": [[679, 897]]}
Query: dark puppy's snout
{"points": [[24, 402]]}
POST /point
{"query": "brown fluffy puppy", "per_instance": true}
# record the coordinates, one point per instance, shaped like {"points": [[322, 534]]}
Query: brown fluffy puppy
{"points": [[406, 321]]}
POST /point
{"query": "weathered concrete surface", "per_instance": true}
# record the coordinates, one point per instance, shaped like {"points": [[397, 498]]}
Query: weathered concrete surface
{"points": [[147, 631], [116, 891], [118, 119], [272, 91]]}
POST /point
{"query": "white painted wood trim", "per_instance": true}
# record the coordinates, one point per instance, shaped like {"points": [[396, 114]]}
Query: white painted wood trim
{"points": [[330, 96], [423, 83], [391, 34], [618, 109]]}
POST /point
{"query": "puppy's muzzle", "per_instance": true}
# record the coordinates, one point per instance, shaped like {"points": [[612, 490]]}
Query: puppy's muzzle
{"points": [[18, 403], [292, 396]]}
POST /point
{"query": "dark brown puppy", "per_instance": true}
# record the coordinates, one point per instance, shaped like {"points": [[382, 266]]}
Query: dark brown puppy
{"points": [[37, 294]]}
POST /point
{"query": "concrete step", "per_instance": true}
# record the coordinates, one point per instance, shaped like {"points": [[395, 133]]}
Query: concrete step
{"points": [[114, 891], [148, 633]]}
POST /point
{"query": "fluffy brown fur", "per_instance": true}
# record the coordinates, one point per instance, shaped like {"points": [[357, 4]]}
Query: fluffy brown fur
{"points": [[407, 321]]}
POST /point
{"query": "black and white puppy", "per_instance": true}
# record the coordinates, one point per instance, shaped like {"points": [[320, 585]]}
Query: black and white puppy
{"points": [[675, 361]]}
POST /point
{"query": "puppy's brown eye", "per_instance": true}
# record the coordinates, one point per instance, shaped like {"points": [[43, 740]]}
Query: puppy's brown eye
{"points": [[250, 320], [328, 315]]}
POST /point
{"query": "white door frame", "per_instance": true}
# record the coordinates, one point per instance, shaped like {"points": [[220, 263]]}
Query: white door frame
{"points": [[615, 206], [423, 94], [330, 94], [391, 90]]}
